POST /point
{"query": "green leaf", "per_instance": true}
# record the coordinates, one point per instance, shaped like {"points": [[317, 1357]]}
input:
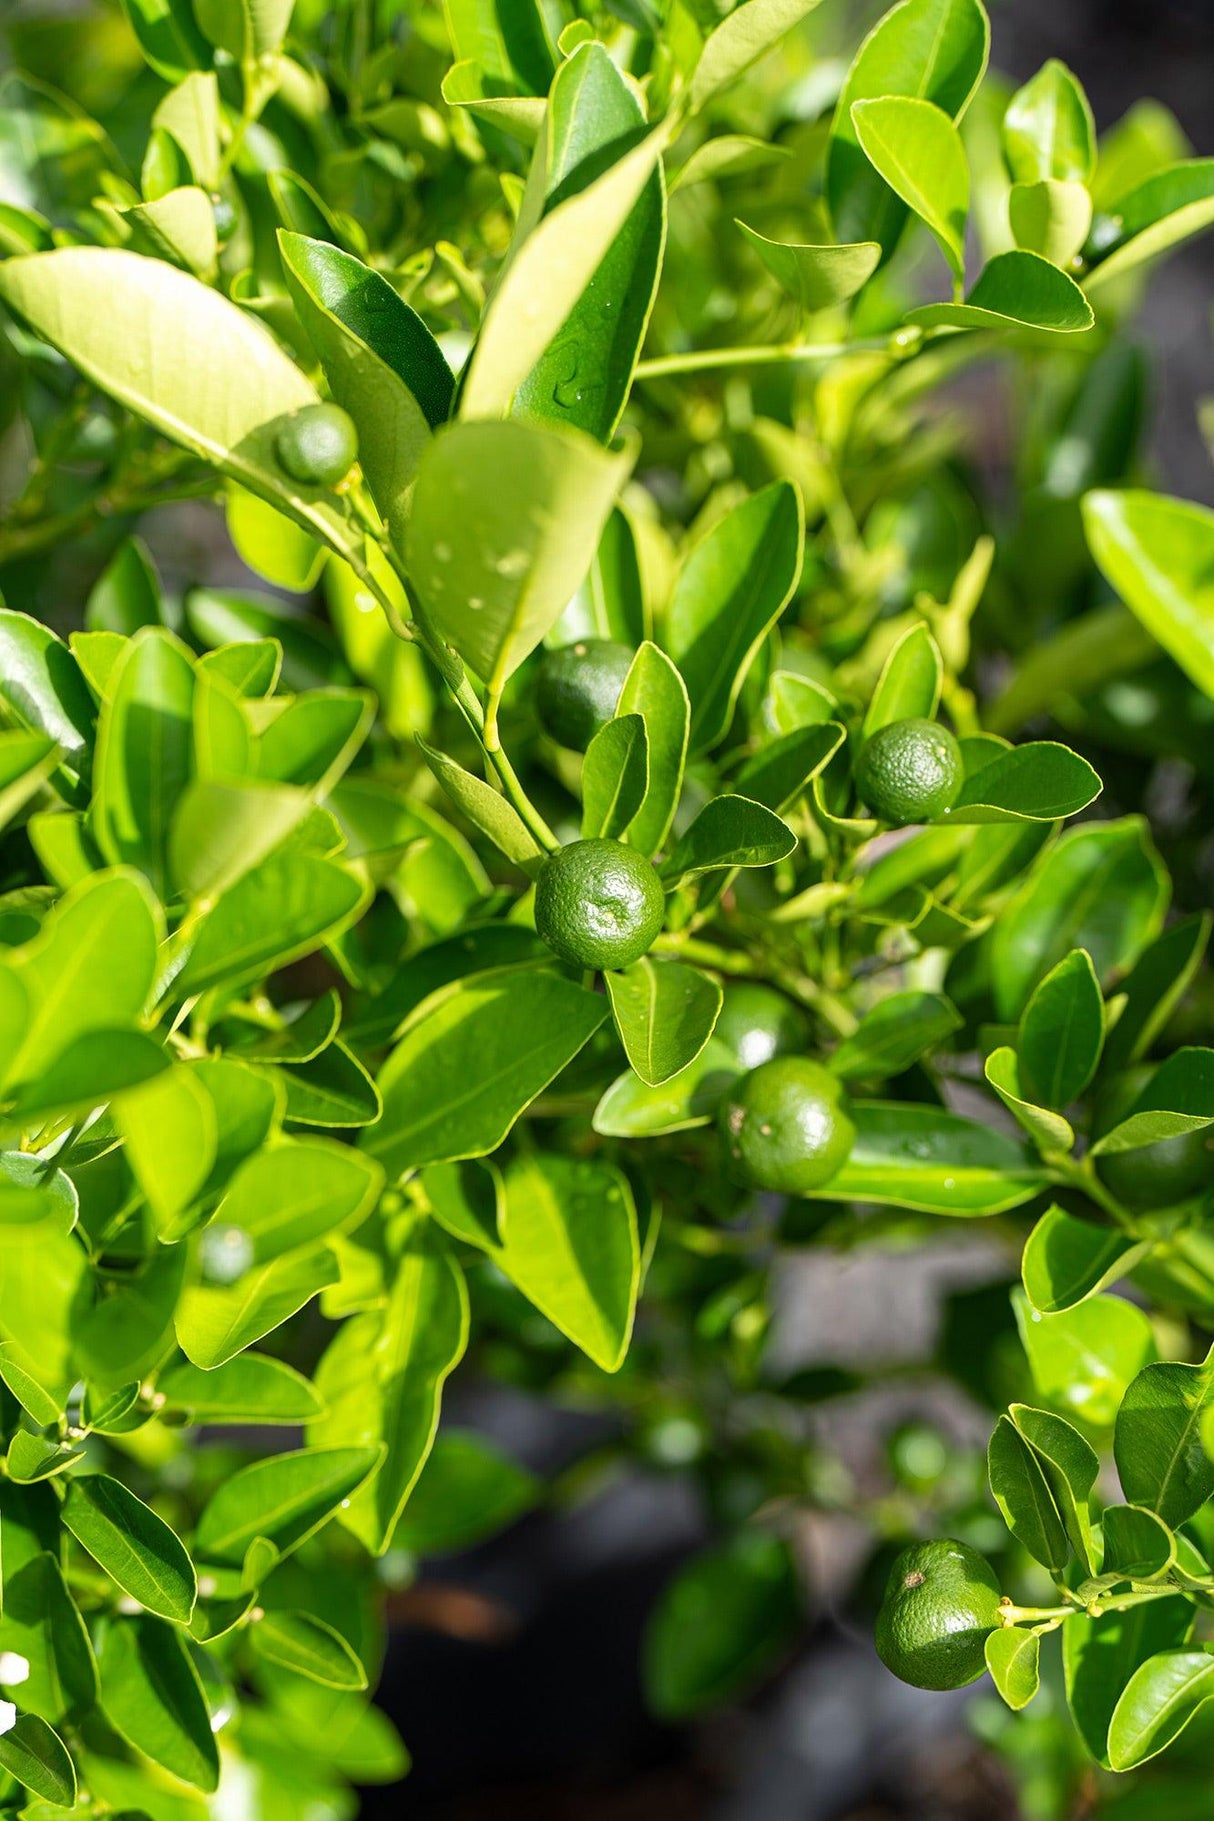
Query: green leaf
{"points": [[930, 50], [1157, 1703], [382, 1379], [246, 29], [1062, 1031], [731, 589], [485, 808], [298, 1192], [1022, 1493], [1015, 290], [33, 1753], [1066, 1260], [284, 1499], [778, 774], [1083, 1359], [216, 1322], [134, 1546], [285, 908], [894, 1034], [1168, 207], [96, 1067], [1070, 1467], [654, 689], [42, 688], [542, 497], [145, 753], [1178, 1098], [303, 1643], [466, 1199], [1101, 1656], [1157, 1441], [914, 145], [1050, 218], [665, 1012], [170, 1134], [30, 1394], [509, 41], [926, 1158], [220, 831], [615, 777], [630, 1108], [1013, 1658], [723, 1623], [42, 1625], [1137, 1543], [467, 1491], [816, 277], [582, 378], [1048, 130], [742, 37], [471, 1059], [1158, 554], [34, 1457], [547, 275], [168, 36], [91, 967], [726, 155], [569, 1243], [1100, 888], [1038, 782], [249, 1389], [729, 831], [152, 1696], [199, 369], [332, 1089], [909, 685], [383, 365], [1152, 989]]}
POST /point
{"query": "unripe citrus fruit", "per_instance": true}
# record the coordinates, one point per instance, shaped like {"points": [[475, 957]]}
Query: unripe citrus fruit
{"points": [[598, 903], [578, 689], [786, 1127], [318, 446], [757, 1023], [910, 771], [1156, 1175], [941, 1602]]}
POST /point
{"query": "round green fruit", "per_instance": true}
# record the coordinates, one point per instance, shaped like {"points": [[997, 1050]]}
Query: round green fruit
{"points": [[910, 771], [941, 1604], [318, 446], [1157, 1175], [598, 904], [757, 1023], [578, 689], [786, 1127]]}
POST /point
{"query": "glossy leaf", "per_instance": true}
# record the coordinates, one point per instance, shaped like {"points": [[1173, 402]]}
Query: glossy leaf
{"points": [[918, 151], [615, 777], [816, 277], [654, 689], [42, 688], [1137, 1543], [132, 1544], [1083, 1359], [1013, 1658], [251, 1388], [1016, 290], [927, 1158], [41, 1624], [153, 1697], [909, 685], [731, 589], [1067, 1260], [1039, 782], [729, 831], [1048, 130], [1157, 553], [665, 1012], [893, 1035], [485, 808], [303, 1643], [1168, 207], [1021, 1491], [1070, 1467], [1101, 1656], [282, 909], [1050, 1132], [297, 1193], [1157, 1703], [33, 1753], [1157, 1441], [1152, 989], [1061, 1031], [284, 1499], [215, 1322]]}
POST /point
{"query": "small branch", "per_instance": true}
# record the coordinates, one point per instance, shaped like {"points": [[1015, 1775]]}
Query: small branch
{"points": [[700, 360]]}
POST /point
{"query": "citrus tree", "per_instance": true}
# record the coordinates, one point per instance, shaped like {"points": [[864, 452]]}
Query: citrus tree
{"points": [[614, 856]]}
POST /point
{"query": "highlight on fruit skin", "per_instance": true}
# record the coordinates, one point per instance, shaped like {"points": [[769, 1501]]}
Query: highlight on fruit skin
{"points": [[910, 771], [317, 445], [786, 1126], [941, 1603], [599, 904]]}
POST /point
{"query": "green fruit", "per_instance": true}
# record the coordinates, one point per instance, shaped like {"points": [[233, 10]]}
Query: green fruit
{"points": [[319, 445], [757, 1023], [598, 904], [578, 689], [1156, 1175], [910, 771], [941, 1603], [786, 1126]]}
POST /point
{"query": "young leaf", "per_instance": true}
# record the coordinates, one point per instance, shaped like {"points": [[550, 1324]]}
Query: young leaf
{"points": [[542, 497], [42, 688], [33, 1457], [1157, 1703], [816, 277], [153, 1697], [1061, 1031], [1048, 130], [655, 690], [665, 1013], [294, 1194], [1158, 554], [1016, 290], [485, 808], [470, 1061], [1157, 1441], [1067, 1260], [732, 588], [1050, 218], [284, 1499], [249, 1389], [132, 1544], [909, 685], [729, 831], [1013, 1658], [1070, 1466], [303, 1643], [1021, 1491], [216, 1322], [917, 149], [615, 777]]}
